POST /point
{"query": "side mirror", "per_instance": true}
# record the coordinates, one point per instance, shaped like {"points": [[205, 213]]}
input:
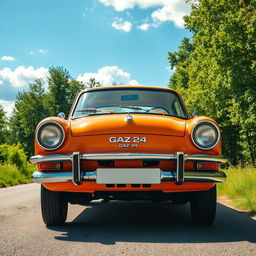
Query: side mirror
{"points": [[61, 115], [194, 114]]}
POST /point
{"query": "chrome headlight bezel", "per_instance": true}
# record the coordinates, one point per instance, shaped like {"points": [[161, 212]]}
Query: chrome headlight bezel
{"points": [[39, 129], [209, 123]]}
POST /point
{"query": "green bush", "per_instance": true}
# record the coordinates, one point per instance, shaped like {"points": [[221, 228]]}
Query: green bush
{"points": [[14, 167], [15, 155], [240, 186], [10, 175]]}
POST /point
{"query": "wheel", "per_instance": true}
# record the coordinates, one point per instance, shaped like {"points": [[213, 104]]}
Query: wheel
{"points": [[203, 206], [54, 207]]}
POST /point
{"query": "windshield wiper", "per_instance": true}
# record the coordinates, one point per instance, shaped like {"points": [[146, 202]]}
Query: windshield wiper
{"points": [[95, 109], [141, 108]]}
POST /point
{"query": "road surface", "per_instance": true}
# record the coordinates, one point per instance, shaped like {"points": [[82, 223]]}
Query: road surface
{"points": [[125, 228]]}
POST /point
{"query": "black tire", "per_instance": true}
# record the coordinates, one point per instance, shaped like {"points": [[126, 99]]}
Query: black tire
{"points": [[203, 206], [54, 207]]}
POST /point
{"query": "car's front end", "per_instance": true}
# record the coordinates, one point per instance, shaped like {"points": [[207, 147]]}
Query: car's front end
{"points": [[128, 143]]}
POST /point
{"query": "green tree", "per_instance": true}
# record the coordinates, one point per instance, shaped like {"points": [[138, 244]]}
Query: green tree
{"points": [[93, 83], [3, 125], [62, 90], [216, 71], [29, 110], [180, 62]]}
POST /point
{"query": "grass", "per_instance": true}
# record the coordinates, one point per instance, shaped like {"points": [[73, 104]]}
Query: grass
{"points": [[10, 175], [240, 187]]}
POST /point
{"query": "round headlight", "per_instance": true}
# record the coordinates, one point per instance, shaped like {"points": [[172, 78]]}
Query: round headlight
{"points": [[50, 135], [205, 135]]}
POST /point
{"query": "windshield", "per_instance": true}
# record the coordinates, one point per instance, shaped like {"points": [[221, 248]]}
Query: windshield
{"points": [[110, 101]]}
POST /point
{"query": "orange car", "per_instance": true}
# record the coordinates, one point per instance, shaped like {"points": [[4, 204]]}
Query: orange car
{"points": [[127, 143]]}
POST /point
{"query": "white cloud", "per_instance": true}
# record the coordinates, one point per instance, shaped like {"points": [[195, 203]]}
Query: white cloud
{"points": [[144, 26], [39, 51], [21, 76], [173, 11], [167, 10], [7, 58], [120, 24], [42, 51], [108, 75], [7, 106], [121, 5], [133, 82]]}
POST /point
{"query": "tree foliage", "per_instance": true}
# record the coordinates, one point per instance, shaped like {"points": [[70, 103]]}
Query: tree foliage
{"points": [[37, 103], [62, 89], [3, 125], [29, 110], [216, 71], [92, 83]]}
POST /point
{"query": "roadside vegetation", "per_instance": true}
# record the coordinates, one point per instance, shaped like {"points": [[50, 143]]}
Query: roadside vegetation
{"points": [[240, 187], [14, 167], [10, 175]]}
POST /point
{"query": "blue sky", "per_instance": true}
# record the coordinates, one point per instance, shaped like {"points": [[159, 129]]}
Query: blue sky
{"points": [[111, 40]]}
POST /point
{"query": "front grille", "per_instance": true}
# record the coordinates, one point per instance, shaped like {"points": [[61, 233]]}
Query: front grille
{"points": [[106, 163], [121, 185], [127, 185], [150, 163], [110, 185]]}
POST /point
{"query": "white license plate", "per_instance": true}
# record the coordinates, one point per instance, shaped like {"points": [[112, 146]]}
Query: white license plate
{"points": [[128, 176]]}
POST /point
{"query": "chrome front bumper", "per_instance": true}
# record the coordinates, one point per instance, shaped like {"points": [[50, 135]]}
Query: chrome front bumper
{"points": [[214, 176], [179, 176], [126, 156]]}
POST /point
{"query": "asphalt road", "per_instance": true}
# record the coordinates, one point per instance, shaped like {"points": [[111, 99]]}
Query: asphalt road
{"points": [[124, 228]]}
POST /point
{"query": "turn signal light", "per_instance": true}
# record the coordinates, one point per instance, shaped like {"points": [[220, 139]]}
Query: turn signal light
{"points": [[206, 166], [50, 166]]}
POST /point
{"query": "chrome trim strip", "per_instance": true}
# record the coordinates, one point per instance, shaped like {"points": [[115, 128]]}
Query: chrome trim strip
{"points": [[126, 156], [206, 158], [214, 176], [40, 177], [50, 158]]}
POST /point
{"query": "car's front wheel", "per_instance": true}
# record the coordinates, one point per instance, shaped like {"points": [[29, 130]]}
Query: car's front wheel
{"points": [[54, 207], [203, 206]]}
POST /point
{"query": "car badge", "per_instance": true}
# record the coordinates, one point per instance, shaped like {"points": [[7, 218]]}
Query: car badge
{"points": [[128, 118]]}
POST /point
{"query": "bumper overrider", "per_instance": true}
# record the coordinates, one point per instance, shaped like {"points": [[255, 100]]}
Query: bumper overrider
{"points": [[179, 176]]}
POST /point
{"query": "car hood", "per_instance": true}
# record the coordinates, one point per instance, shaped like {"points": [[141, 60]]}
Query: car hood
{"points": [[117, 124]]}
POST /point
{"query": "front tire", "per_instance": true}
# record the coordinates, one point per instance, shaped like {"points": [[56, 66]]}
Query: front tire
{"points": [[203, 206], [54, 207]]}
